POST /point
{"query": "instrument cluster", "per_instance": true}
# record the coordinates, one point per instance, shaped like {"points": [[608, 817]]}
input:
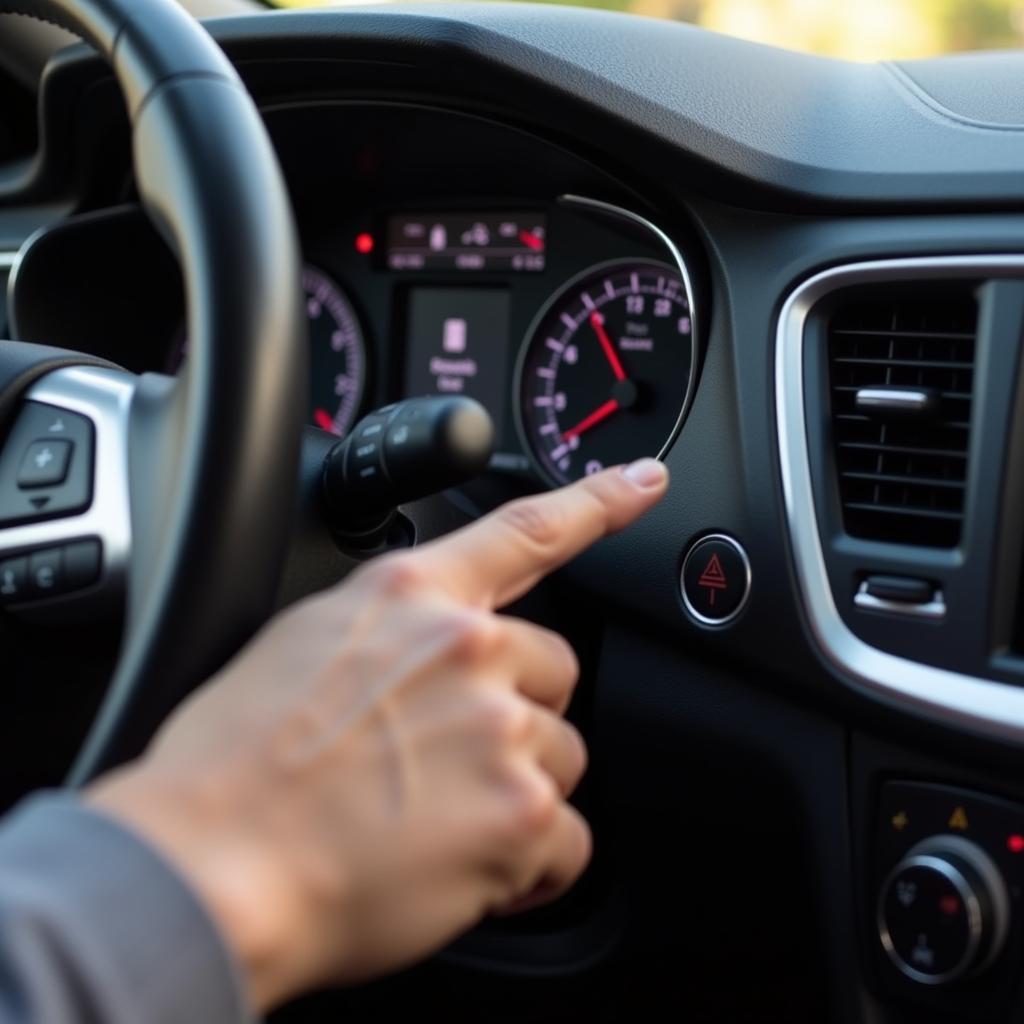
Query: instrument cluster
{"points": [[445, 254], [571, 322]]}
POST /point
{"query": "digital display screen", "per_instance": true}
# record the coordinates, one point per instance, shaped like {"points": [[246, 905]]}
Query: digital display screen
{"points": [[458, 345], [466, 241]]}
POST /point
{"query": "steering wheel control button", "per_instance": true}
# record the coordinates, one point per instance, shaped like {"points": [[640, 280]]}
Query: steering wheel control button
{"points": [[13, 580], [45, 463], [44, 573], [944, 911], [50, 572], [715, 580], [81, 564]]}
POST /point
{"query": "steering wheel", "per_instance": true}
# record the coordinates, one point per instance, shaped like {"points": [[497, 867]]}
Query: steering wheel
{"points": [[180, 490]]}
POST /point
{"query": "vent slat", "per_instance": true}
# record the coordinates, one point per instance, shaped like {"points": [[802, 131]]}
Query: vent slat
{"points": [[915, 364], [899, 510], [951, 395], [903, 480], [867, 447], [856, 417], [895, 478], [849, 332]]}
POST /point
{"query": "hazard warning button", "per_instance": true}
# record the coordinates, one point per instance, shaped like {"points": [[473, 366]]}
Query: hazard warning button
{"points": [[715, 579]]}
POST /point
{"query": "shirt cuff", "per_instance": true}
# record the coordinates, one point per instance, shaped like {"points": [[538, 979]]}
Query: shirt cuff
{"points": [[114, 914]]}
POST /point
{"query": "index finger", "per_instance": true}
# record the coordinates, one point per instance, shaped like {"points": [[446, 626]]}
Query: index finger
{"points": [[508, 552]]}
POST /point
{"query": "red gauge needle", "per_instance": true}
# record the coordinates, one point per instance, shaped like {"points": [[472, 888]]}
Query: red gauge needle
{"points": [[323, 419], [531, 241], [597, 416], [606, 343]]}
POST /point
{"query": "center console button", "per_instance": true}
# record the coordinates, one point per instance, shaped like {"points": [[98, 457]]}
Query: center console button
{"points": [[943, 913]]}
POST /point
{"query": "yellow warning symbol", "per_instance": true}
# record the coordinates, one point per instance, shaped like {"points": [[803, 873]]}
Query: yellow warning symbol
{"points": [[958, 819], [900, 821]]}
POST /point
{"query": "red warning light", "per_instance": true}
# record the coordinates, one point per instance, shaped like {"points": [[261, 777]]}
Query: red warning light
{"points": [[950, 905], [713, 577], [364, 243], [1015, 843]]}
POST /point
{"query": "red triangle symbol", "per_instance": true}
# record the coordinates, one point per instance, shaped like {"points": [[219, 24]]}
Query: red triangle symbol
{"points": [[713, 575]]}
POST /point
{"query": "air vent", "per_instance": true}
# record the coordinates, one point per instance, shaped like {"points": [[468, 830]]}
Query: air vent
{"points": [[902, 473]]}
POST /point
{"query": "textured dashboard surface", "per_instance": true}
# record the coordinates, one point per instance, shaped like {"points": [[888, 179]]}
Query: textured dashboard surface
{"points": [[812, 126], [980, 89]]}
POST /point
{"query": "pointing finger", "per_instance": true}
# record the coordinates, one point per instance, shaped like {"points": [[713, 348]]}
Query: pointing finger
{"points": [[508, 552]]}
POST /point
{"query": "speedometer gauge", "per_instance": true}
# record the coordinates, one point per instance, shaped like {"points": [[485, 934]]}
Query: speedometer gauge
{"points": [[606, 369], [337, 354]]}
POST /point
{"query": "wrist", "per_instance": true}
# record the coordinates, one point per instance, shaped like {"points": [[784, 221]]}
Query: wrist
{"points": [[236, 879]]}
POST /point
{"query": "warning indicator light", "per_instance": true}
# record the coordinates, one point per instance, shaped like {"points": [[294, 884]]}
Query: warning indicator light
{"points": [[1015, 843], [715, 579], [950, 905], [364, 243], [958, 819]]}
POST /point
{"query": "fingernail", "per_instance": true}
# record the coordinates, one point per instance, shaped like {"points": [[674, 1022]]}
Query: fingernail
{"points": [[645, 473]]}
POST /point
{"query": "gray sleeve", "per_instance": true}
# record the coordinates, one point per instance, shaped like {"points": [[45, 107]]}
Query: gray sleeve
{"points": [[96, 929]]}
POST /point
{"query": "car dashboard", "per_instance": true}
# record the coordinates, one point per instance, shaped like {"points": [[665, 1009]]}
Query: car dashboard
{"points": [[800, 283], [433, 266]]}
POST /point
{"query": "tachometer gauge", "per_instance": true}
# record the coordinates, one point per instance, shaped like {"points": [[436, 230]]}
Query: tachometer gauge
{"points": [[337, 354], [606, 370]]}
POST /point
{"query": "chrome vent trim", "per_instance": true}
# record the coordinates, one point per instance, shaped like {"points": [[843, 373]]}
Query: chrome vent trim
{"points": [[965, 702]]}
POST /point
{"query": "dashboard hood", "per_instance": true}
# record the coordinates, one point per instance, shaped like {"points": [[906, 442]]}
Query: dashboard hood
{"points": [[947, 130]]}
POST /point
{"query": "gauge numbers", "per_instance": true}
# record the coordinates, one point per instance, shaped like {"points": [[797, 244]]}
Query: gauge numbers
{"points": [[606, 370], [337, 354]]}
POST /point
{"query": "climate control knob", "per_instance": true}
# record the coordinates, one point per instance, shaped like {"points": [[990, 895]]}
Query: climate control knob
{"points": [[944, 911]]}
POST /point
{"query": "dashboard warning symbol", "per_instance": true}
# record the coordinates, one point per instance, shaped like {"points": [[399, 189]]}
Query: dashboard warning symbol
{"points": [[713, 577], [958, 819]]}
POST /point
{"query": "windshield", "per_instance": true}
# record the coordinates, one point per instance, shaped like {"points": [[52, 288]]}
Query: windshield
{"points": [[865, 30]]}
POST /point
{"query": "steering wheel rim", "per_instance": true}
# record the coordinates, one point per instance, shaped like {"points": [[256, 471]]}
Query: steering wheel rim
{"points": [[212, 456]]}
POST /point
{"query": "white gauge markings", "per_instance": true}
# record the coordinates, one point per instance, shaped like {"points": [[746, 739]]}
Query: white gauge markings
{"points": [[638, 336]]}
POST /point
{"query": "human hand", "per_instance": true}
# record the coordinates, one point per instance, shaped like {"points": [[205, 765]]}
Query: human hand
{"points": [[386, 762]]}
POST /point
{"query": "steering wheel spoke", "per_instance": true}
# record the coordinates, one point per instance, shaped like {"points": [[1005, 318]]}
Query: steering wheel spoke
{"points": [[65, 524]]}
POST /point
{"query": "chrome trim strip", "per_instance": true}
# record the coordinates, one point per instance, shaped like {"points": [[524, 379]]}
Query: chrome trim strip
{"points": [[933, 609], [12, 277], [957, 700], [7, 261], [105, 397]]}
